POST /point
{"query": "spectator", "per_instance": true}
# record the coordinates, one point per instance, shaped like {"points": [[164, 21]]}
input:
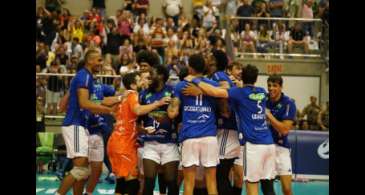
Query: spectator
{"points": [[297, 38], [141, 6], [276, 8], [100, 5], [187, 41], [139, 41], [311, 112], [76, 48], [55, 84], [303, 125], [263, 39], [263, 13], [49, 26], [77, 30], [114, 41], [219, 45], [211, 15], [248, 39], [72, 65], [170, 23], [128, 66], [126, 48], [174, 67], [170, 36], [280, 36], [170, 51], [108, 69], [157, 37], [128, 5], [42, 56], [61, 55], [172, 8], [245, 10], [307, 12], [65, 18], [40, 126], [124, 61], [124, 26], [323, 118], [323, 10], [142, 24]]}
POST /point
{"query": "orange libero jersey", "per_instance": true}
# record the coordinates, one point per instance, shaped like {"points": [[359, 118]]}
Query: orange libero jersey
{"points": [[122, 149]]}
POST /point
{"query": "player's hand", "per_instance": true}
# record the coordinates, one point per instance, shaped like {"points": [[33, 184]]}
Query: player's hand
{"points": [[164, 101], [189, 78], [192, 90], [268, 112]]}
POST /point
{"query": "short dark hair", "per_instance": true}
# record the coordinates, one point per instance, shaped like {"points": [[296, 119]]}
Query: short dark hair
{"points": [[234, 63], [129, 79], [221, 59], [249, 74], [196, 62], [274, 78], [148, 57], [184, 71], [162, 70]]}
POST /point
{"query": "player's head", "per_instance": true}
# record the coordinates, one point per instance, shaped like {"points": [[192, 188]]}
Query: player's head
{"points": [[93, 60], [274, 85], [184, 71], [235, 69], [196, 64], [221, 59], [131, 81], [249, 74], [147, 60], [159, 77]]}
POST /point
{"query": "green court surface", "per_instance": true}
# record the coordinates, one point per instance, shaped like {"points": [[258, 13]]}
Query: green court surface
{"points": [[48, 184]]}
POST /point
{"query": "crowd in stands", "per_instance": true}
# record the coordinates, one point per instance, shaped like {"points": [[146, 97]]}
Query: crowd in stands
{"points": [[63, 38]]}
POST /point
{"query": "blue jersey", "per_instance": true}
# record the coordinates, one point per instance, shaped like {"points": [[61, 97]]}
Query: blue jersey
{"points": [[223, 122], [198, 113], [165, 129], [251, 103], [96, 123], [74, 114], [284, 109]]}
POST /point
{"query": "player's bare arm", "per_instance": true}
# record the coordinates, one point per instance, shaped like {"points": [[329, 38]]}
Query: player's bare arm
{"points": [[173, 109], [144, 109], [283, 127], [85, 103]]}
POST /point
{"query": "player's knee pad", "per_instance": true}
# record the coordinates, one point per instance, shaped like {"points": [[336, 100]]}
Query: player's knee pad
{"points": [[80, 173]]}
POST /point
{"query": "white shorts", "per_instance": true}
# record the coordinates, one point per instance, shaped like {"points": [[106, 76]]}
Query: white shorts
{"points": [[239, 160], [140, 160], [201, 151], [52, 97], [96, 148], [283, 161], [229, 145], [76, 140], [160, 153], [259, 162]]}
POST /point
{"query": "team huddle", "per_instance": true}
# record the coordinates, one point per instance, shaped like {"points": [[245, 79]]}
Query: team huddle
{"points": [[200, 131]]}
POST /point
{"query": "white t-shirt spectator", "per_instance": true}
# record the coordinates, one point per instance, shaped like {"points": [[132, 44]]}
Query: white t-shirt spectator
{"points": [[146, 28], [126, 69]]}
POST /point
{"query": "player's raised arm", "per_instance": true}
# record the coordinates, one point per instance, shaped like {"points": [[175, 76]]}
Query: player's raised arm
{"points": [[208, 88]]}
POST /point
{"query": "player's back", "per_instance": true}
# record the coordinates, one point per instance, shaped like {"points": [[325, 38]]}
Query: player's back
{"points": [[74, 114], [251, 104], [198, 113]]}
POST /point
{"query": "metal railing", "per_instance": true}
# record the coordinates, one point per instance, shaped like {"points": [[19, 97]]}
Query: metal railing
{"points": [[51, 87], [312, 28]]}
